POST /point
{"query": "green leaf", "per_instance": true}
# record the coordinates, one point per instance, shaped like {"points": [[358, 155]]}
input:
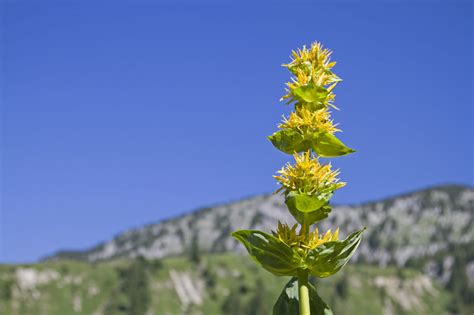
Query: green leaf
{"points": [[311, 217], [329, 258], [310, 93], [310, 96], [308, 209], [306, 203], [323, 143], [327, 145], [271, 253], [289, 141], [288, 303]]}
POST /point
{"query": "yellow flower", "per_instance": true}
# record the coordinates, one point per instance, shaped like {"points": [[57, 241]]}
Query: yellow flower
{"points": [[316, 53], [289, 236], [308, 176], [312, 65], [305, 120], [315, 239], [313, 62]]}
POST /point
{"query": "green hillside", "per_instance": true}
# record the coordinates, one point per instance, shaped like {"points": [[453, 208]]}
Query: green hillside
{"points": [[424, 239], [210, 284]]}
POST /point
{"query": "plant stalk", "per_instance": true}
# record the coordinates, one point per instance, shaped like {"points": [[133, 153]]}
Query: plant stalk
{"points": [[303, 291]]}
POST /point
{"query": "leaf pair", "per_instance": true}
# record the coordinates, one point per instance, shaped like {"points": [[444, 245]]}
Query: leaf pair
{"points": [[282, 260], [324, 144], [288, 301]]}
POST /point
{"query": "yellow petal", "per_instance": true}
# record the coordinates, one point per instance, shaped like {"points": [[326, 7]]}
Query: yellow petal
{"points": [[335, 236]]}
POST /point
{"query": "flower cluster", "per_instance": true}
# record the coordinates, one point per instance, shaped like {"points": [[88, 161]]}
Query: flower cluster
{"points": [[315, 239], [311, 68], [289, 236], [308, 176], [306, 121]]}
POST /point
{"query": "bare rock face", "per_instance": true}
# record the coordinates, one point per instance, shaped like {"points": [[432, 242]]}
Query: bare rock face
{"points": [[424, 226]]}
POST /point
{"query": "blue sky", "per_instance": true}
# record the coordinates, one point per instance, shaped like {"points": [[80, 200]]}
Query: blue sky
{"points": [[116, 114]]}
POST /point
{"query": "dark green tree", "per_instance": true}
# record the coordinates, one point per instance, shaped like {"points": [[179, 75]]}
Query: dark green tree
{"points": [[342, 287], [194, 252], [233, 304], [135, 287], [117, 304], [132, 296], [258, 303]]}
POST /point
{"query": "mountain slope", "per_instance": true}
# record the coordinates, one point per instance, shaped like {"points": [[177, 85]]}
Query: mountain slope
{"points": [[400, 229]]}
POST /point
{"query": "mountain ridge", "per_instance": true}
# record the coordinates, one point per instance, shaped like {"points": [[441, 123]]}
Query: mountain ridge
{"points": [[249, 197], [251, 201]]}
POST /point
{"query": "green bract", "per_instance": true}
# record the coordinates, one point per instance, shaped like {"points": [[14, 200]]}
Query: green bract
{"points": [[327, 145], [290, 141], [311, 95], [329, 258], [322, 143], [310, 217], [282, 260], [271, 253], [306, 203], [308, 209]]}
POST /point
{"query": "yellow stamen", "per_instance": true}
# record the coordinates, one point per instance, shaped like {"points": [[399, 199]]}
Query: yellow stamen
{"points": [[308, 176], [305, 120], [315, 239]]}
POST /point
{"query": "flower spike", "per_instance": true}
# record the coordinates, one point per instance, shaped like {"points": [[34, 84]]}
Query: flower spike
{"points": [[307, 185]]}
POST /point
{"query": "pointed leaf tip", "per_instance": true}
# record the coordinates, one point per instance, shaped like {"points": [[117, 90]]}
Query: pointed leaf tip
{"points": [[329, 258]]}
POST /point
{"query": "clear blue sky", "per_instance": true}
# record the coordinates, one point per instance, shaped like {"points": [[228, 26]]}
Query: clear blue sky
{"points": [[116, 114]]}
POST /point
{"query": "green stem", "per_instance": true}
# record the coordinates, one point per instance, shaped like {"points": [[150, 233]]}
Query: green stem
{"points": [[303, 291], [303, 288], [304, 229]]}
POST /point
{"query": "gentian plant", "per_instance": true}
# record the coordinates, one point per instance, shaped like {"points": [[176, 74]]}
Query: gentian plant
{"points": [[308, 134]]}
